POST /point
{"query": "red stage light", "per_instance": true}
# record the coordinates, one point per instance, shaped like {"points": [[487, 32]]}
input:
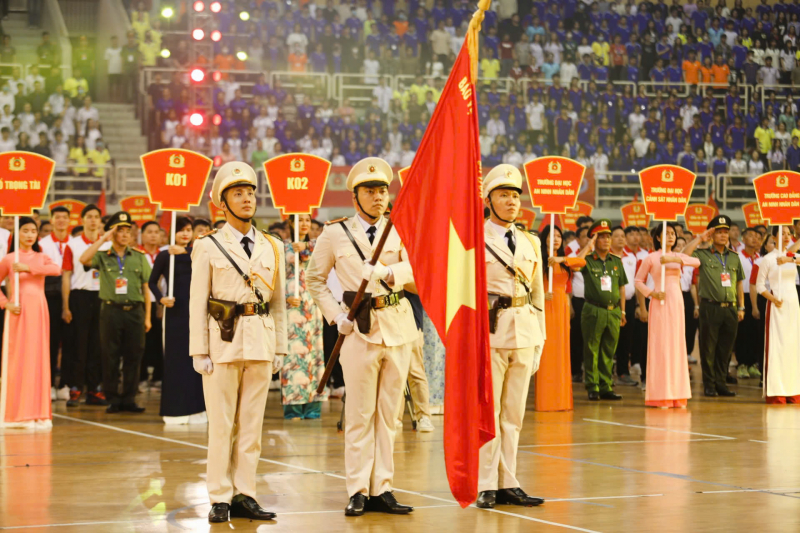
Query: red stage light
{"points": [[216, 35], [198, 34], [197, 75], [218, 161], [216, 75], [216, 119], [196, 119], [216, 7], [199, 6]]}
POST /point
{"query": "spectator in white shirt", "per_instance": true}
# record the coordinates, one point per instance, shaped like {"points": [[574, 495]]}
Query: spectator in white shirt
{"points": [[688, 111], [113, 56], [755, 167], [26, 117], [60, 152], [486, 141], [318, 150], [407, 157], [535, 112], [389, 155], [7, 117], [737, 165], [57, 101], [768, 74], [297, 39], [513, 157], [395, 139], [495, 126], [568, 71], [235, 142], [263, 122], [635, 123], [383, 92], [599, 162], [92, 134], [32, 77], [7, 97], [371, 67], [641, 144], [87, 112], [7, 142]]}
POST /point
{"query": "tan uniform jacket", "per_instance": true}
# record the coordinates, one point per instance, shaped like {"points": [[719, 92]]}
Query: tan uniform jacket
{"points": [[517, 327], [255, 338], [392, 326]]}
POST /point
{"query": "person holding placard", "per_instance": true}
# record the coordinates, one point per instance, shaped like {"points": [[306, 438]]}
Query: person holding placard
{"points": [[26, 342], [376, 352], [237, 327], [721, 293], [517, 327], [603, 313], [668, 382], [304, 363], [782, 341]]}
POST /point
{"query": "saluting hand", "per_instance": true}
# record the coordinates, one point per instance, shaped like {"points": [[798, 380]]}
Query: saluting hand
{"points": [[707, 234], [107, 236]]}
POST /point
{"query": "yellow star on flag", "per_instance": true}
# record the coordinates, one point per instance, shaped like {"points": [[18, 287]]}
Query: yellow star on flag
{"points": [[460, 276]]}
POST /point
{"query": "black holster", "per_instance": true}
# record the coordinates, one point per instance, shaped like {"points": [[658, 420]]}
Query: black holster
{"points": [[494, 311], [224, 313], [363, 312]]}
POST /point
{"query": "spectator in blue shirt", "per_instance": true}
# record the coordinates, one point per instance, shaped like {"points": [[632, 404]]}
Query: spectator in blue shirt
{"points": [[793, 155]]}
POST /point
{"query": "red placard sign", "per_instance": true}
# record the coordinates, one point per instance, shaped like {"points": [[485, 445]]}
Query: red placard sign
{"points": [[25, 178], [666, 190], [778, 195], [215, 213], [140, 208], [634, 214], [698, 216], [75, 207], [297, 182], [553, 183], [570, 218], [752, 215], [527, 216], [176, 178]]}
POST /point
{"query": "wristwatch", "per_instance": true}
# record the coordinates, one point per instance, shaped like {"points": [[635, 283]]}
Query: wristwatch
{"points": [[741, 309]]}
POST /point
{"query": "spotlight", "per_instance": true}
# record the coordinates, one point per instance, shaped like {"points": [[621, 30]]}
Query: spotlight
{"points": [[218, 161], [244, 15], [165, 53], [198, 34], [215, 7], [241, 55], [167, 12], [216, 75], [216, 35], [197, 75], [196, 119], [199, 6], [216, 119]]}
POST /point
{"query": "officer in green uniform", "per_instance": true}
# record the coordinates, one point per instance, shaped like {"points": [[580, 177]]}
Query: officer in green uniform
{"points": [[603, 312], [721, 291], [124, 310]]}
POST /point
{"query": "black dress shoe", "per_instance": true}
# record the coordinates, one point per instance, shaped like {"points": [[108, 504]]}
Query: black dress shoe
{"points": [[218, 513], [386, 503], [725, 392], [131, 408], [517, 496], [486, 499], [356, 505], [112, 409], [710, 392], [594, 395], [731, 380], [246, 507], [610, 395]]}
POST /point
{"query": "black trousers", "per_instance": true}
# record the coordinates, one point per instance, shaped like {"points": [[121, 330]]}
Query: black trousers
{"points": [[576, 337], [718, 328], [623, 354], [746, 337], [760, 331], [153, 348], [54, 304], [639, 344], [82, 355], [330, 334], [122, 338], [690, 322]]}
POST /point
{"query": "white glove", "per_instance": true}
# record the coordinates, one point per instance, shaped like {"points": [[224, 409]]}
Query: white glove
{"points": [[374, 273], [202, 364], [345, 326]]}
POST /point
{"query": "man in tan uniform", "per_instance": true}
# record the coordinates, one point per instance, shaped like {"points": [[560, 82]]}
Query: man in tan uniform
{"points": [[517, 328], [376, 352], [235, 356]]}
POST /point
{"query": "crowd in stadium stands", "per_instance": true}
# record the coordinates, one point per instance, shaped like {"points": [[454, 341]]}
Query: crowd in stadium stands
{"points": [[44, 113], [561, 59]]}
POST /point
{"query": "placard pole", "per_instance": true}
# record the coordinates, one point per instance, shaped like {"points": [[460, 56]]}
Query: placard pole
{"points": [[297, 257], [170, 290], [552, 241], [663, 253], [780, 254]]}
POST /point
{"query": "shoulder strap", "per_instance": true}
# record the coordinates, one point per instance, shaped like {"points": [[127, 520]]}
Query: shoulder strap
{"points": [[507, 267], [360, 253], [245, 277]]}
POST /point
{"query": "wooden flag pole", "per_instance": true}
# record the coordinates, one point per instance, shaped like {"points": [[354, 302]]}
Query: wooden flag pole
{"points": [[170, 290], [351, 316]]}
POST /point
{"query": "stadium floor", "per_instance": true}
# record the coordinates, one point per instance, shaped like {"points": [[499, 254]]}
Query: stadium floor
{"points": [[721, 465]]}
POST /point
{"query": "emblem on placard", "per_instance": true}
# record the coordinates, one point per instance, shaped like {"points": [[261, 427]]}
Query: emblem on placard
{"points": [[298, 165], [16, 164], [781, 181], [637, 208], [177, 161], [698, 210], [554, 168], [667, 176]]}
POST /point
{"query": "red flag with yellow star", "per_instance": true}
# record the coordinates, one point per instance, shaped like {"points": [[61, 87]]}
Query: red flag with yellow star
{"points": [[439, 216]]}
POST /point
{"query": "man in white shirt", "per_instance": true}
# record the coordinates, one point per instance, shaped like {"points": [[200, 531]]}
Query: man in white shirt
{"points": [[113, 57], [535, 112], [383, 92], [85, 113], [263, 122], [486, 142], [57, 101], [495, 126], [688, 111], [7, 98], [635, 123], [513, 157], [60, 153], [768, 74], [747, 348], [623, 354], [599, 162], [32, 77], [371, 68], [575, 335], [568, 71], [407, 157], [641, 144], [7, 142], [396, 139]]}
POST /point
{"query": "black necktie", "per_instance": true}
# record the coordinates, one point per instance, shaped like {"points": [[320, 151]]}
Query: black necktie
{"points": [[510, 239], [371, 233], [246, 245]]}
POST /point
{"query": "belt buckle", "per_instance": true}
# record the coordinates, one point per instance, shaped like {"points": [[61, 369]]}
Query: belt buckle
{"points": [[393, 298], [249, 309], [127, 307], [611, 307], [724, 304]]}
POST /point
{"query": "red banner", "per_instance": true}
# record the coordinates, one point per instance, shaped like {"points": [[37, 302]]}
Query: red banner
{"points": [[554, 183], [402, 173], [297, 182], [75, 207], [528, 217], [752, 215], [634, 214], [25, 178], [570, 218], [778, 195], [666, 190], [176, 178], [215, 213], [698, 216], [140, 208]]}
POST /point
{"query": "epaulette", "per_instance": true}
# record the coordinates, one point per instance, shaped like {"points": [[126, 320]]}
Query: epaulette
{"points": [[138, 250], [328, 223], [212, 232], [615, 255]]}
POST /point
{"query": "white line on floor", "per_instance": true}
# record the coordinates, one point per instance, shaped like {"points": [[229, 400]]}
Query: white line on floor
{"points": [[604, 498], [655, 428], [311, 470], [149, 521], [747, 490], [761, 441], [615, 442]]}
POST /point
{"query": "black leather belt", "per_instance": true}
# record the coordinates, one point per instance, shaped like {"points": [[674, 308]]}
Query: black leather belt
{"points": [[389, 300], [609, 307], [505, 302], [252, 308], [124, 306], [718, 304]]}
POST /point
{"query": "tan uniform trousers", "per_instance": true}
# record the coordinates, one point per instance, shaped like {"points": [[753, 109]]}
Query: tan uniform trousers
{"points": [[236, 396], [511, 377], [375, 376], [417, 383]]}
